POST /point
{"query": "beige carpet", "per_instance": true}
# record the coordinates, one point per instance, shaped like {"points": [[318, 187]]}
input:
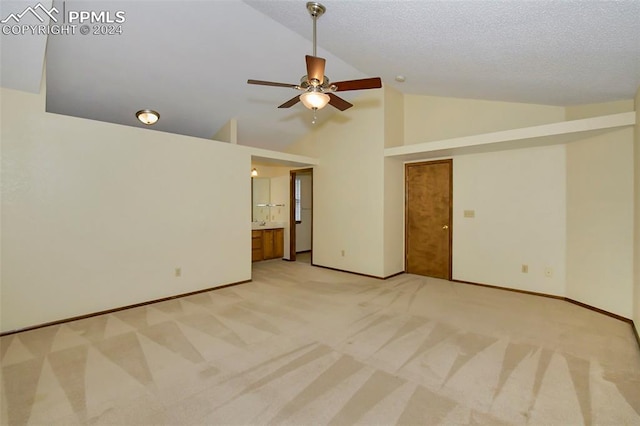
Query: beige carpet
{"points": [[304, 345]]}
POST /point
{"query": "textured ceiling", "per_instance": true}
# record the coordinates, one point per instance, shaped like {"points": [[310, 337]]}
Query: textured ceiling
{"points": [[547, 52], [190, 60]]}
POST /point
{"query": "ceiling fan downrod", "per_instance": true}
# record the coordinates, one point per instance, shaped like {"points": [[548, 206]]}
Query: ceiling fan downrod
{"points": [[315, 10]]}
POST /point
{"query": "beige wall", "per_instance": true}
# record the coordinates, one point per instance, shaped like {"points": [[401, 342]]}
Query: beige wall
{"points": [[636, 261], [393, 184], [97, 216], [600, 213], [393, 216], [280, 195], [522, 199], [228, 132], [583, 233], [594, 110], [518, 197], [431, 118], [348, 187], [393, 117], [599, 220], [270, 170]]}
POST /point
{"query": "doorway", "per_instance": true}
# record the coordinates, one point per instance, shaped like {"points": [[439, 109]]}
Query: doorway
{"points": [[301, 215], [428, 211]]}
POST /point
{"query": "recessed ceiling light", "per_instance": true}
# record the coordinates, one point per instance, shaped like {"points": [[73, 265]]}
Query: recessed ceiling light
{"points": [[148, 116], [400, 78]]}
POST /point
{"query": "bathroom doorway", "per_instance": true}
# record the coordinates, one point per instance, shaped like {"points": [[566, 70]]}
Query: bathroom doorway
{"points": [[301, 215]]}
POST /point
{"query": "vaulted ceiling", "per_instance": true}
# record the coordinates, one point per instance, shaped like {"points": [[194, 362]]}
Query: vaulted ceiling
{"points": [[190, 60]]}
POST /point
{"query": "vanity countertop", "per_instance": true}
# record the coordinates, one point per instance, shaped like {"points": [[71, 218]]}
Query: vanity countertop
{"points": [[267, 225]]}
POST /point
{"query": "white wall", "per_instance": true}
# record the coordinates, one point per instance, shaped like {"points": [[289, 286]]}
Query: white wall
{"points": [[599, 220], [518, 197], [348, 187], [97, 216]]}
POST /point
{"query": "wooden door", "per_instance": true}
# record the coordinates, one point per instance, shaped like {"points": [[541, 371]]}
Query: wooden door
{"points": [[428, 203]]}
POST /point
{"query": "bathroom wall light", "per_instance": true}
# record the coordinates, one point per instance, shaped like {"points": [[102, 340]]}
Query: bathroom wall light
{"points": [[254, 172], [148, 116]]}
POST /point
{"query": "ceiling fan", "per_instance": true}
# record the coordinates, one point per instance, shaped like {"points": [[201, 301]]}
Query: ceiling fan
{"points": [[317, 90]]}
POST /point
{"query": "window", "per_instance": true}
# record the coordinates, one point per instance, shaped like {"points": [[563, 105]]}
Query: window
{"points": [[298, 205]]}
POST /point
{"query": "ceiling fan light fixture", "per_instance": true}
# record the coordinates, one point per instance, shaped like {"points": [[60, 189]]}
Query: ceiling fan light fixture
{"points": [[315, 84], [314, 100], [148, 116]]}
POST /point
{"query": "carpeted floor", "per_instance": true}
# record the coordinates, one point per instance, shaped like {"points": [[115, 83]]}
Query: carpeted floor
{"points": [[305, 345]]}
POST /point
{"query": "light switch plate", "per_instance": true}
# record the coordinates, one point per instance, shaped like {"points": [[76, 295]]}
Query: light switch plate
{"points": [[469, 213]]}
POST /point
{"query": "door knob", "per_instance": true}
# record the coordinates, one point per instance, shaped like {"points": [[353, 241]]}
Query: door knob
{"points": [[445, 227]]}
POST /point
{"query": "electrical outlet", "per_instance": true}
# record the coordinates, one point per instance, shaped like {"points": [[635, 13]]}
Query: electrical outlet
{"points": [[178, 272], [342, 252], [548, 272], [525, 269]]}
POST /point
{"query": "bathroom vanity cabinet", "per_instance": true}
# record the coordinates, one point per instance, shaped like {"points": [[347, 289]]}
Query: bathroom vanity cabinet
{"points": [[267, 244]]}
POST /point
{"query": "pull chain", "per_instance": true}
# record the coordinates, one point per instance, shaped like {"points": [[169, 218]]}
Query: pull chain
{"points": [[314, 116]]}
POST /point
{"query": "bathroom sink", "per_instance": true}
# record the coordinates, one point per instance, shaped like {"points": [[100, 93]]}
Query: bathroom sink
{"points": [[266, 225]]}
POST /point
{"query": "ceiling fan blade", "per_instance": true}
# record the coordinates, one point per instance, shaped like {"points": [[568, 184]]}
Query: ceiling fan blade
{"points": [[315, 68], [365, 83], [271, 83], [338, 102], [291, 102]]}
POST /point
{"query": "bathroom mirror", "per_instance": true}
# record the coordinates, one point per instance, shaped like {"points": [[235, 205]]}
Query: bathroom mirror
{"points": [[261, 192]]}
